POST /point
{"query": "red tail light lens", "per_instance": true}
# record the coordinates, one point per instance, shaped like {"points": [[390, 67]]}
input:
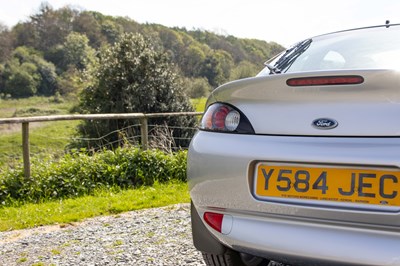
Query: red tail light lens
{"points": [[329, 80], [219, 117], [225, 118]]}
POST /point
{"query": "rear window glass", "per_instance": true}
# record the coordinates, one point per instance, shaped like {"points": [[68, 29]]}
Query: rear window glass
{"points": [[358, 49]]}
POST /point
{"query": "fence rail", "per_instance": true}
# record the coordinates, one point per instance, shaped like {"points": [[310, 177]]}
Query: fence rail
{"points": [[26, 120]]}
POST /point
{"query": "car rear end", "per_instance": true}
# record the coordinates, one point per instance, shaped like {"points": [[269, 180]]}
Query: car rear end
{"points": [[311, 173]]}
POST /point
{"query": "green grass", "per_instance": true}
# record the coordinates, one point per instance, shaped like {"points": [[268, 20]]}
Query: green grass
{"points": [[104, 202], [19, 106], [51, 138], [199, 104], [46, 138]]}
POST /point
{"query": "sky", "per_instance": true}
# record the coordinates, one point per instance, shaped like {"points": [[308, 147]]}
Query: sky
{"points": [[281, 21]]}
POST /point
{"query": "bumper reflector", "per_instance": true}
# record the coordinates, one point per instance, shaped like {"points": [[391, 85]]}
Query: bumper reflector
{"points": [[214, 220], [219, 222]]}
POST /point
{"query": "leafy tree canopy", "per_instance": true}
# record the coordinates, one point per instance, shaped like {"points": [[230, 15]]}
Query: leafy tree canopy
{"points": [[26, 73], [70, 38], [134, 77]]}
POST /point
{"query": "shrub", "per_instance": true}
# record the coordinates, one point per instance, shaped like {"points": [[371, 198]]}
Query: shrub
{"points": [[134, 77], [79, 174]]}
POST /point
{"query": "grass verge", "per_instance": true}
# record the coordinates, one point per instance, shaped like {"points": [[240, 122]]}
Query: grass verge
{"points": [[104, 202], [12, 107], [48, 138], [45, 138]]}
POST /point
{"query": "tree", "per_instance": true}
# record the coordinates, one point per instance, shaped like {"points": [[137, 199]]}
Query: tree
{"points": [[24, 34], [77, 52], [51, 26], [197, 87], [192, 61], [86, 23], [67, 37], [217, 67], [47, 71], [21, 80], [26, 74], [71, 81], [6, 43], [172, 42], [133, 77], [244, 69], [111, 30]]}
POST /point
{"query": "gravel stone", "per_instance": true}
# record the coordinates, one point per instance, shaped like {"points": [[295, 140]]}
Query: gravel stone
{"points": [[158, 236]]}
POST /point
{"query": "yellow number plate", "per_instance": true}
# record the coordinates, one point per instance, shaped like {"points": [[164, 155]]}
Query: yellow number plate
{"points": [[349, 185]]}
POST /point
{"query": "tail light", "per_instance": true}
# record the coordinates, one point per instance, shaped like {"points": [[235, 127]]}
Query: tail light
{"points": [[225, 118], [328, 80]]}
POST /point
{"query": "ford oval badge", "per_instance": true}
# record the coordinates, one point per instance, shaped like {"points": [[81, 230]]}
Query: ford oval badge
{"points": [[324, 123]]}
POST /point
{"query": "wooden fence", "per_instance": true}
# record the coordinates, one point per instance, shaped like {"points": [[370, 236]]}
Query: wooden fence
{"points": [[26, 120]]}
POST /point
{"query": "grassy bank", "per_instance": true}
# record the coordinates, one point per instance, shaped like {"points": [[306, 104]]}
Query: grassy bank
{"points": [[71, 187], [35, 106], [45, 138], [103, 202]]}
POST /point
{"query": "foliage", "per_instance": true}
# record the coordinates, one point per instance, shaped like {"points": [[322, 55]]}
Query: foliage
{"points": [[102, 202], [26, 73], [76, 52], [132, 77], [79, 174], [244, 69], [21, 80], [197, 87], [50, 26], [217, 67], [6, 43], [69, 38]]}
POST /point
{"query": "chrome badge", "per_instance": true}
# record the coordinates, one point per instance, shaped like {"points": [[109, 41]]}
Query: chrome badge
{"points": [[324, 123]]}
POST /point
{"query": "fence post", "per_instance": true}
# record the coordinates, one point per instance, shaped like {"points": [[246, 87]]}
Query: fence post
{"points": [[144, 132], [25, 150]]}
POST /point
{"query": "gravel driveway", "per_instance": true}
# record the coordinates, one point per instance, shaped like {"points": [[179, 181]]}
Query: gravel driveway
{"points": [[159, 236]]}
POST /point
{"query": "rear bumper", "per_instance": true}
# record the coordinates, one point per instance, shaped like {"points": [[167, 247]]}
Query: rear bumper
{"points": [[221, 173], [309, 242]]}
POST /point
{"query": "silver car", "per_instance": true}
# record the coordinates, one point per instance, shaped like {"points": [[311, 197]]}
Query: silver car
{"points": [[301, 164]]}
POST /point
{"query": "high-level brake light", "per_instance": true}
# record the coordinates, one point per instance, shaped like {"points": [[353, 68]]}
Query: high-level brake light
{"points": [[327, 80]]}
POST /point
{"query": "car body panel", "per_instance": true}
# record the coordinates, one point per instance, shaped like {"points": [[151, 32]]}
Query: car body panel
{"points": [[307, 242], [290, 110], [351, 130], [227, 187], [229, 184]]}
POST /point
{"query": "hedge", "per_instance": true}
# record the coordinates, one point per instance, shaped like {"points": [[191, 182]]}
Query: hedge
{"points": [[80, 173]]}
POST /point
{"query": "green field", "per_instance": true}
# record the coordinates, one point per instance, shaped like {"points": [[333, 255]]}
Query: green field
{"points": [[199, 104], [51, 138], [34, 106], [45, 137], [104, 202]]}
